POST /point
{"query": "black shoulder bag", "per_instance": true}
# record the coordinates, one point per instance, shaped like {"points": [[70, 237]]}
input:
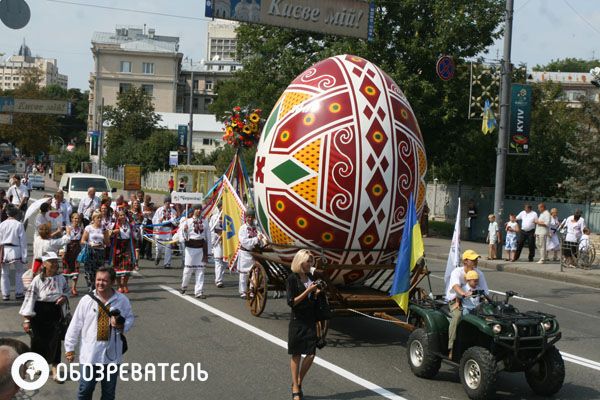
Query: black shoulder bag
{"points": [[123, 339]]}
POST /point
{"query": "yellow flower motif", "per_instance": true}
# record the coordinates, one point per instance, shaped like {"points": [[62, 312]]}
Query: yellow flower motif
{"points": [[254, 117], [253, 127], [247, 129]]}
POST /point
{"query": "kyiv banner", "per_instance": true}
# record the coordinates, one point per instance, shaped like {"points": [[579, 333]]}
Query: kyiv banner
{"points": [[233, 210], [520, 119]]}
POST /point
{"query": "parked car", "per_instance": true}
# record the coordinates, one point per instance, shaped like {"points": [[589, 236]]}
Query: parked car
{"points": [[37, 182], [75, 186]]}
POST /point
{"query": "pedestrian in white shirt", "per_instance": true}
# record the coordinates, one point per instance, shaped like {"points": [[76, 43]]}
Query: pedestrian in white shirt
{"points": [[574, 226], [13, 253], [42, 311], [250, 239], [455, 292], [194, 234], [18, 194], [527, 218], [494, 237], [88, 205], [64, 207], [542, 230], [98, 334], [216, 237], [164, 218]]}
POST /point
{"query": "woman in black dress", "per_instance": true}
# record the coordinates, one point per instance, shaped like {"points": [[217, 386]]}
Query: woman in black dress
{"points": [[302, 295]]}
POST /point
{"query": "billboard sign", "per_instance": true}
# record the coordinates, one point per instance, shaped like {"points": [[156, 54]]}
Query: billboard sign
{"points": [[35, 106], [132, 177], [520, 119], [173, 158], [337, 17], [59, 170]]}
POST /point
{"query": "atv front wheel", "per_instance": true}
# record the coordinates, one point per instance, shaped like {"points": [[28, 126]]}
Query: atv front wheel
{"points": [[423, 363], [546, 377], [478, 373]]}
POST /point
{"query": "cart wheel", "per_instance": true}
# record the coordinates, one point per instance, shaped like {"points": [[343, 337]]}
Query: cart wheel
{"points": [[256, 288]]}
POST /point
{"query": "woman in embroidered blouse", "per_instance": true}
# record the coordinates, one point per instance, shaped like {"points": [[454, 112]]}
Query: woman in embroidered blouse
{"points": [[97, 240], [41, 311], [73, 247], [43, 243], [137, 218], [123, 245]]}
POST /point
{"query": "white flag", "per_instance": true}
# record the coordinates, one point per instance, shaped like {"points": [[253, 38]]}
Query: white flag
{"points": [[454, 255]]}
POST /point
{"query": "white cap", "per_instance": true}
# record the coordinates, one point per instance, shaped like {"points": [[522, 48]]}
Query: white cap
{"points": [[50, 255]]}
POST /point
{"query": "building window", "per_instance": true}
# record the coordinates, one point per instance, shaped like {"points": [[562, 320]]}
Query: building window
{"points": [[195, 84], [208, 85], [126, 66], [148, 68], [195, 104], [148, 89], [124, 87], [233, 68], [207, 142], [221, 67]]}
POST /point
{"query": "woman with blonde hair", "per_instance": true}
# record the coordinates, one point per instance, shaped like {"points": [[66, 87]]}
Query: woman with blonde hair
{"points": [[302, 294], [552, 242], [97, 240]]}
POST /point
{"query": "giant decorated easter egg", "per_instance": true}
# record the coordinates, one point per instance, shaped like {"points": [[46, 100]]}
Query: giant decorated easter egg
{"points": [[338, 158]]}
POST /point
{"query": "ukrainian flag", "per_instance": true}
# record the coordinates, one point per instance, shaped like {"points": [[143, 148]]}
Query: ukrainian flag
{"points": [[488, 124], [411, 250], [233, 209]]}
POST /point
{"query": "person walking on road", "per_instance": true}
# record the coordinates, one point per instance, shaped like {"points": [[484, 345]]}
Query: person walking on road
{"points": [[98, 334], [216, 236], [18, 194], [302, 293], [194, 234], [88, 205], [527, 218], [164, 218], [13, 252], [42, 311], [123, 250], [541, 231], [73, 247], [250, 239], [97, 239]]}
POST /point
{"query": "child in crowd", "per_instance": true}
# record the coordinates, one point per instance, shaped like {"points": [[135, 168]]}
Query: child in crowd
{"points": [[512, 228], [469, 303], [584, 242], [493, 237]]}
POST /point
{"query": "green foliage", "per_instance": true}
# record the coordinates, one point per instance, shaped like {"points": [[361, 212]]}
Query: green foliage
{"points": [[409, 37], [568, 65], [222, 157], [73, 159], [133, 137], [583, 155]]}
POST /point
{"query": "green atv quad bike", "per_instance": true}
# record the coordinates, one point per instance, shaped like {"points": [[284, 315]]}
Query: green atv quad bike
{"points": [[492, 338]]}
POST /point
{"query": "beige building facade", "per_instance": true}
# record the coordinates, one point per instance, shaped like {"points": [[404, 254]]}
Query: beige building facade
{"points": [[17, 68], [222, 40], [133, 57]]}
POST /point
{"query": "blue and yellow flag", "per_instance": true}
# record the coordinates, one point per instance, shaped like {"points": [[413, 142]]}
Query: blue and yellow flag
{"points": [[489, 119], [233, 209], [411, 250]]}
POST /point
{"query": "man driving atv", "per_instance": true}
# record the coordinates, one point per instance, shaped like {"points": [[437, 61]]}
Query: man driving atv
{"points": [[456, 291]]}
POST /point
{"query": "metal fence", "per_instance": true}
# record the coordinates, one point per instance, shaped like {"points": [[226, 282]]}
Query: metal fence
{"points": [[157, 180], [442, 200]]}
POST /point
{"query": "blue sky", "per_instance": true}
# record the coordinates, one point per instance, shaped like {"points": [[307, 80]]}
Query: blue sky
{"points": [[543, 30]]}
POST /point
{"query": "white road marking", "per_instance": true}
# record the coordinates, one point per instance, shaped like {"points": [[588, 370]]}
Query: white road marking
{"points": [[281, 343], [581, 361]]}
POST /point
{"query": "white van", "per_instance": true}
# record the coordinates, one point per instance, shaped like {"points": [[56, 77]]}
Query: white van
{"points": [[75, 186]]}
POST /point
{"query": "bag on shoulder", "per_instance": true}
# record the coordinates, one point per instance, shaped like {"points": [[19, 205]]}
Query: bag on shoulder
{"points": [[84, 254]]}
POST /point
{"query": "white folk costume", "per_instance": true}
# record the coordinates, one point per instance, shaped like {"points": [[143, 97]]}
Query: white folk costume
{"points": [[248, 237], [216, 230], [65, 209], [14, 253], [167, 216], [41, 246], [90, 329], [194, 233]]}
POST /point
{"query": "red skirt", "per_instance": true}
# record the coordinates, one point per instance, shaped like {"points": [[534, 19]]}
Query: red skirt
{"points": [[123, 259]]}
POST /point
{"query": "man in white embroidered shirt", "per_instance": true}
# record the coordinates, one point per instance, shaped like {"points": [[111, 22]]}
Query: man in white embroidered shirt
{"points": [[98, 328], [88, 205]]}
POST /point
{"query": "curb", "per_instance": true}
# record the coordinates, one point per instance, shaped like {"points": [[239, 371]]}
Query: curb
{"points": [[551, 275]]}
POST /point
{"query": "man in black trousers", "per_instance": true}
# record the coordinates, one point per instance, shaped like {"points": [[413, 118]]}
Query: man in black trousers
{"points": [[527, 218]]}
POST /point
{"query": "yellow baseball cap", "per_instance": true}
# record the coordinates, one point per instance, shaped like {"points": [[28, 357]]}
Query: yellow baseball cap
{"points": [[470, 255], [471, 275]]}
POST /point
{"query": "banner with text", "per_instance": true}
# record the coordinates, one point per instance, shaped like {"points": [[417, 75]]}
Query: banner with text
{"points": [[182, 138], [520, 119], [186, 198], [337, 17]]}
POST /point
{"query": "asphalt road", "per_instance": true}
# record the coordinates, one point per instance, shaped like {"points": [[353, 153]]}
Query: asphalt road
{"points": [[245, 356]]}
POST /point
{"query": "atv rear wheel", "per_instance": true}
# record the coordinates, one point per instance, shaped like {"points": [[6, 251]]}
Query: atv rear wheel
{"points": [[423, 363], [478, 373], [546, 377]]}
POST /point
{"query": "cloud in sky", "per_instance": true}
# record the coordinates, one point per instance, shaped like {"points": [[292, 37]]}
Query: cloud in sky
{"points": [[543, 30]]}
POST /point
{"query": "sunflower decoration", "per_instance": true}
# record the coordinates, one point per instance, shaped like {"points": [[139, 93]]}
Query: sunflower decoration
{"points": [[243, 127]]}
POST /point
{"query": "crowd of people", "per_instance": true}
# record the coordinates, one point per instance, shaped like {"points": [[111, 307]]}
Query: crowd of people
{"points": [[540, 230]]}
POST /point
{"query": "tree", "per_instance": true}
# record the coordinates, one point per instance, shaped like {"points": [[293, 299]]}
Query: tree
{"points": [[132, 121], [409, 37], [583, 155], [568, 65], [73, 159]]}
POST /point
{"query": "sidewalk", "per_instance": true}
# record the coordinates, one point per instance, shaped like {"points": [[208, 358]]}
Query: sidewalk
{"points": [[437, 248]]}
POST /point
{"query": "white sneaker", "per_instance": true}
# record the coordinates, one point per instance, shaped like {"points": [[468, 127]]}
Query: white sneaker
{"points": [[541, 262], [243, 295]]}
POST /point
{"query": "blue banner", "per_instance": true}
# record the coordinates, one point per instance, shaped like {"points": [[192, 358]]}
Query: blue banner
{"points": [[520, 119], [182, 137]]}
